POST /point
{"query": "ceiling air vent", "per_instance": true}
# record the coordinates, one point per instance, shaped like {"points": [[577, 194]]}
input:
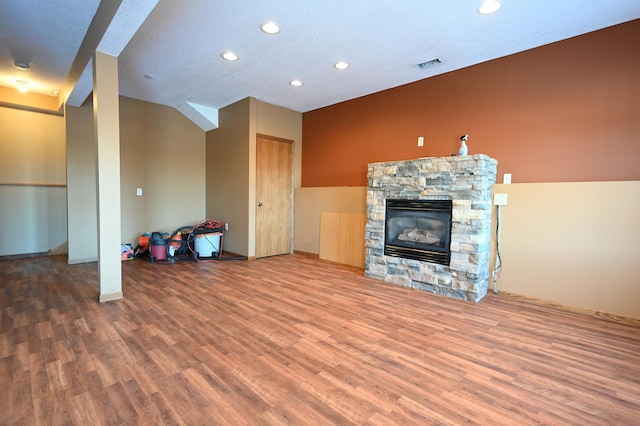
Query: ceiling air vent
{"points": [[429, 64]]}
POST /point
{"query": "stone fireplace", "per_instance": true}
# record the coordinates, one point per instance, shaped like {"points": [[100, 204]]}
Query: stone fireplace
{"points": [[429, 224]]}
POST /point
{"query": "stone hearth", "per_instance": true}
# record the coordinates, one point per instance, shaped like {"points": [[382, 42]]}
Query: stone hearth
{"points": [[467, 181]]}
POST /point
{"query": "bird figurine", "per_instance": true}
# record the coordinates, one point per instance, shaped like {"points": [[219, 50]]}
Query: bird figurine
{"points": [[464, 149]]}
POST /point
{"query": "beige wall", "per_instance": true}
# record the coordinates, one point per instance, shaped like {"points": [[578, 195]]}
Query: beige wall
{"points": [[231, 165], [81, 185], [572, 243], [310, 202], [133, 170], [161, 152], [32, 150], [227, 174], [33, 146]]}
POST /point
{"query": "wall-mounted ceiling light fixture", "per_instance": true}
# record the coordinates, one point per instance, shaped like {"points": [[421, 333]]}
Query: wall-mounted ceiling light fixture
{"points": [[489, 6], [341, 65], [230, 56], [270, 28], [295, 83], [22, 86]]}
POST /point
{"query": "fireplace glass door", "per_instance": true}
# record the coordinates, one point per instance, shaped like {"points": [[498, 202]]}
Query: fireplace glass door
{"points": [[419, 230]]}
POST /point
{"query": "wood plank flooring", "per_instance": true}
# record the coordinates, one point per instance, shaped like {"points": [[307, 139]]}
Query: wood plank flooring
{"points": [[293, 340]]}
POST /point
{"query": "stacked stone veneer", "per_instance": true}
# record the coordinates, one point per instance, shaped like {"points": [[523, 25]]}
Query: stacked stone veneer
{"points": [[467, 181]]}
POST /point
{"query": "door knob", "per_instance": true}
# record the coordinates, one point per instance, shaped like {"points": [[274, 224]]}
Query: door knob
{"points": [[259, 204]]}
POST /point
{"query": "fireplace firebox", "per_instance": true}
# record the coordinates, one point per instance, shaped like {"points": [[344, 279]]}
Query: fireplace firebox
{"points": [[418, 230]]}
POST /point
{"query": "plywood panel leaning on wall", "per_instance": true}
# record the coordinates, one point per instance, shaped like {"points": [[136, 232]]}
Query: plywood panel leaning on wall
{"points": [[342, 238]]}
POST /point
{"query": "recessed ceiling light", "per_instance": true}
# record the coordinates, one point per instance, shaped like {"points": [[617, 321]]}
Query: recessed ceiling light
{"points": [[22, 66], [489, 7], [341, 65], [22, 86], [296, 83], [270, 28], [148, 76], [230, 56]]}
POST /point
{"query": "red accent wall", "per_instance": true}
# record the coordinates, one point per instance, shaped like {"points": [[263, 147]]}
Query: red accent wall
{"points": [[565, 112]]}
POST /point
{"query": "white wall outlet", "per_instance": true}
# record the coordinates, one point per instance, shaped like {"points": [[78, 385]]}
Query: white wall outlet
{"points": [[139, 192], [420, 140], [226, 226], [506, 179], [500, 199]]}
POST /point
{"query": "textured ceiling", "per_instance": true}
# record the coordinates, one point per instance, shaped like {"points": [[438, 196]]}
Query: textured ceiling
{"points": [[180, 42], [45, 34]]}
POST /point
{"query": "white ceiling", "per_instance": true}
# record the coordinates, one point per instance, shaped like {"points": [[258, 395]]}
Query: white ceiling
{"points": [[46, 34], [180, 43]]}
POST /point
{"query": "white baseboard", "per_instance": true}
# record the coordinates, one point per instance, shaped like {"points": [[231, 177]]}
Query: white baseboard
{"points": [[111, 296], [82, 260]]}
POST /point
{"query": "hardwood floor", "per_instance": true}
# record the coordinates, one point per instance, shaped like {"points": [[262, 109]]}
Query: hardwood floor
{"points": [[293, 340]]}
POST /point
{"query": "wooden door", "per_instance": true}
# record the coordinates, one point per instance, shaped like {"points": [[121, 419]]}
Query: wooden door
{"points": [[274, 193]]}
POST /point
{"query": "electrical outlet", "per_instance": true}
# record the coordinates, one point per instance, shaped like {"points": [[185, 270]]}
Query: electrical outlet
{"points": [[420, 140], [139, 192], [500, 199], [506, 179]]}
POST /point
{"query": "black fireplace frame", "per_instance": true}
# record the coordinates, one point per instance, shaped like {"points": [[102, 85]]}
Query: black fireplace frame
{"points": [[420, 251]]}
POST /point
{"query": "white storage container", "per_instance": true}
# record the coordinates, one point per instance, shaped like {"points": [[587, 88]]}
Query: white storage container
{"points": [[208, 245]]}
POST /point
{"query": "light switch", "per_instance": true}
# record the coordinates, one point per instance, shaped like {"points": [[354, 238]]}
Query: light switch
{"points": [[139, 192]]}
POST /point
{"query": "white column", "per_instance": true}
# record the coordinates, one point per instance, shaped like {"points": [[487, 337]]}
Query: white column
{"points": [[106, 118]]}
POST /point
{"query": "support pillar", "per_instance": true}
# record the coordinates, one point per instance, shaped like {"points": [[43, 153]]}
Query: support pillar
{"points": [[106, 118]]}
